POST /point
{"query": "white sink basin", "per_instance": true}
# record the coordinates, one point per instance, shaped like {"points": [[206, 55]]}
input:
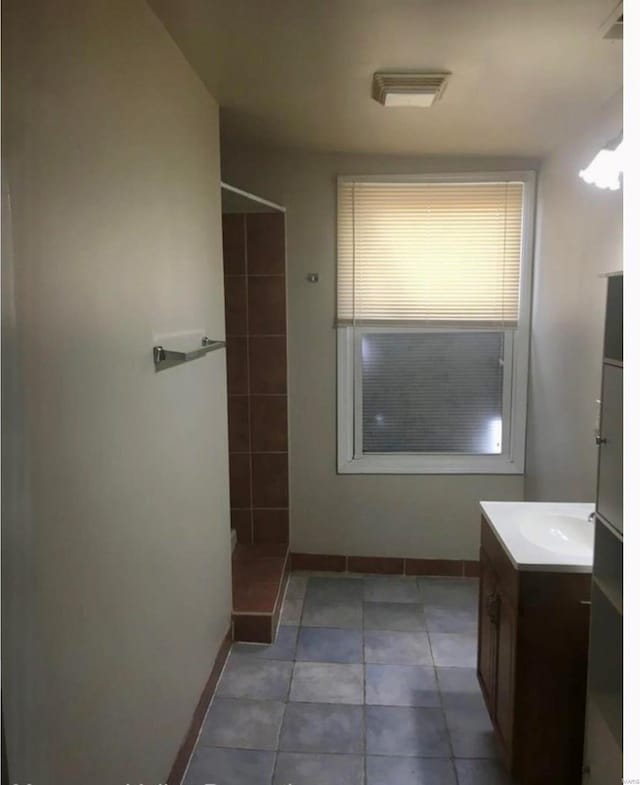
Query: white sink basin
{"points": [[547, 536], [565, 534]]}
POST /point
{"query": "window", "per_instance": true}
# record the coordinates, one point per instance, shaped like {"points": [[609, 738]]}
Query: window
{"points": [[433, 322]]}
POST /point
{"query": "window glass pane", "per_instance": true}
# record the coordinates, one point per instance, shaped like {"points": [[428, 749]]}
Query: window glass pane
{"points": [[432, 392]]}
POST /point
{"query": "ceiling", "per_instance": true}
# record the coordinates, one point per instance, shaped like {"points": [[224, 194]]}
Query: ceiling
{"points": [[526, 74]]}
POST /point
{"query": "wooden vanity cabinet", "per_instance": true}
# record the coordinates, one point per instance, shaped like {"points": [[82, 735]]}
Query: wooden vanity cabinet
{"points": [[532, 664]]}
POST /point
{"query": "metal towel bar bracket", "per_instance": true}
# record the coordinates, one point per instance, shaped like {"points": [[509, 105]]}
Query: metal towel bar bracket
{"points": [[166, 358]]}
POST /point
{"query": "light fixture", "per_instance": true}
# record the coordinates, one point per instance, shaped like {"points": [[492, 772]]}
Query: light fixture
{"points": [[408, 89], [606, 168]]}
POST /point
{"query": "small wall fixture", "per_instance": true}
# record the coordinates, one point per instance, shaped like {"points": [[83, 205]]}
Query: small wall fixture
{"points": [[167, 358], [606, 168], [408, 89]]}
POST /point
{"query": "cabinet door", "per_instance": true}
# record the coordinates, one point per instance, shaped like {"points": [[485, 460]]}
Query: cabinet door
{"points": [[613, 331], [609, 500], [505, 669], [602, 755], [487, 632]]}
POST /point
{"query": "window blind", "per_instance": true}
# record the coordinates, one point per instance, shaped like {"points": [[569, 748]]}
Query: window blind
{"points": [[446, 253]]}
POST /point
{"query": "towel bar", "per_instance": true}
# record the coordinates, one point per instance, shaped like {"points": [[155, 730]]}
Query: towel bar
{"points": [[166, 358]]}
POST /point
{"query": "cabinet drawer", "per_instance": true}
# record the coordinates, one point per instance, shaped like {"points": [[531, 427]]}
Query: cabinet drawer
{"points": [[505, 573]]}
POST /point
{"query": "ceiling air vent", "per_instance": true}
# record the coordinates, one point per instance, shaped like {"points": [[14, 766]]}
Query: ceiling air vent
{"points": [[613, 26], [408, 89]]}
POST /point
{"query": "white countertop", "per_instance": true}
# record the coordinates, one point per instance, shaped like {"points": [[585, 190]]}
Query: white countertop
{"points": [[544, 536]]}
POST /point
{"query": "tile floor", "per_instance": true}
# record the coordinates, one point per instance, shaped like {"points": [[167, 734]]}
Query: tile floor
{"points": [[371, 680]]}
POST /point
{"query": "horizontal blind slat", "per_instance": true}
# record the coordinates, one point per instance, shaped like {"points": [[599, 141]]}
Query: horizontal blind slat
{"points": [[429, 251]]}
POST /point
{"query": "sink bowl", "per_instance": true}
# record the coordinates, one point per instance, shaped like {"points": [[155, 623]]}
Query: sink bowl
{"points": [[561, 533], [545, 536]]}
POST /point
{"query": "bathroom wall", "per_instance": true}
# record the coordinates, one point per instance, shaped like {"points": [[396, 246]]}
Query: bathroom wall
{"points": [[427, 516], [117, 594], [579, 237], [256, 318]]}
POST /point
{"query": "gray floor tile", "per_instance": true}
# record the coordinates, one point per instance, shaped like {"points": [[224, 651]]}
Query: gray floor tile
{"points": [[322, 727], [401, 685], [382, 588], [299, 768], [251, 677], [384, 770], [297, 586], [325, 644], [453, 650], [291, 612], [397, 648], [460, 620], [474, 744], [481, 772], [334, 589], [241, 723], [393, 730], [230, 767], [283, 648], [343, 613], [320, 682], [459, 687], [472, 716], [449, 592], [403, 617], [471, 731]]}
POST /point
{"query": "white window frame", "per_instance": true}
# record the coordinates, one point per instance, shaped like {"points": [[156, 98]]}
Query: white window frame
{"points": [[351, 459]]}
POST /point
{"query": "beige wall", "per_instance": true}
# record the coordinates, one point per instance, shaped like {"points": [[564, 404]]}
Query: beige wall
{"points": [[423, 516], [111, 163], [579, 237]]}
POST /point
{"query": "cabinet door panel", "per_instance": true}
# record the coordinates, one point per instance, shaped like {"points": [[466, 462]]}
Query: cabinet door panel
{"points": [[613, 330], [602, 755], [609, 501], [487, 640], [505, 671]]}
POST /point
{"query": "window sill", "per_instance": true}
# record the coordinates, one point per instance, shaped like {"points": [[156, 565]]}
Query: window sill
{"points": [[420, 464]]}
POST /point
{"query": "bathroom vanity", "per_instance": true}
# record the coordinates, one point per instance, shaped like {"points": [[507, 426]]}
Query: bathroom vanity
{"points": [[535, 582]]}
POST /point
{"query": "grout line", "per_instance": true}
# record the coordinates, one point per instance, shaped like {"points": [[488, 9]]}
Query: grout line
{"points": [[295, 651], [248, 354], [260, 452], [257, 335], [257, 394], [444, 715], [255, 275]]}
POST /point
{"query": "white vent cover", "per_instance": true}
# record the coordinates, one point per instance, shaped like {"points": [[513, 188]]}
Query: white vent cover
{"points": [[408, 89]]}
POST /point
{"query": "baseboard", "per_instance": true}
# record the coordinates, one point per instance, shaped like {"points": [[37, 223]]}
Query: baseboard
{"points": [[385, 565], [184, 753]]}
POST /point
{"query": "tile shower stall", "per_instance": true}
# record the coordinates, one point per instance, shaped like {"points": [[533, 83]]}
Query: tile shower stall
{"points": [[255, 288], [256, 327]]}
